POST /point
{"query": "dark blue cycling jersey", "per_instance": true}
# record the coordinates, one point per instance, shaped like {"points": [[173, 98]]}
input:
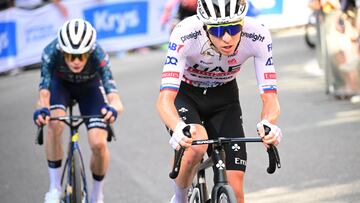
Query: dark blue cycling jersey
{"points": [[98, 64]]}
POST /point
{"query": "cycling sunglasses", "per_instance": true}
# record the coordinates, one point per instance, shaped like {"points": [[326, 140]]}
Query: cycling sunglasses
{"points": [[72, 57], [220, 29]]}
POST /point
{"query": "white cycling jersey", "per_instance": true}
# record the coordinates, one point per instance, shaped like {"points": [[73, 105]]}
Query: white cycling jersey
{"points": [[192, 58]]}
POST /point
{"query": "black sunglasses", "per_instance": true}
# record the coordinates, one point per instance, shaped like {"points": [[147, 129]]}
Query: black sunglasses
{"points": [[72, 57]]}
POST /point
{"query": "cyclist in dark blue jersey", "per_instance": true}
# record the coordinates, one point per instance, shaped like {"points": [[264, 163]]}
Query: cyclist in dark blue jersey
{"points": [[74, 66]]}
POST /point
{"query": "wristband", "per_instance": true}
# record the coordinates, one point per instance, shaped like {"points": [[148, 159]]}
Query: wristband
{"points": [[112, 109], [43, 111]]}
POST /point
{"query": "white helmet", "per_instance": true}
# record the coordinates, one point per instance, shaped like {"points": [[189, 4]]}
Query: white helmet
{"points": [[221, 11], [76, 36]]}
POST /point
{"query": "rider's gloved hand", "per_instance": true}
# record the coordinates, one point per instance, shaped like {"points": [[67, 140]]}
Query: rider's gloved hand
{"points": [[178, 138], [41, 116], [275, 135], [110, 113]]}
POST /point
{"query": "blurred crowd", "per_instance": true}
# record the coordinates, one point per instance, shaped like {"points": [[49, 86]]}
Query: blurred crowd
{"points": [[338, 31], [338, 47], [32, 4]]}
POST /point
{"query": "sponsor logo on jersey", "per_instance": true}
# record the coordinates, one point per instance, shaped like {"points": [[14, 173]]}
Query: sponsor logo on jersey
{"points": [[253, 36], [175, 47], [232, 61], [192, 35], [118, 19], [171, 60], [7, 39], [183, 110], [269, 62], [235, 147], [218, 71], [239, 161], [170, 74], [271, 76]]}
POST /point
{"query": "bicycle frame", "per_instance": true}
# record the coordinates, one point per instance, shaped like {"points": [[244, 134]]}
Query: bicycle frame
{"points": [[219, 178], [72, 146]]}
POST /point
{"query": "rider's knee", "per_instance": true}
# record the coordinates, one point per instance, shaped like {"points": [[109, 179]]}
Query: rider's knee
{"points": [[199, 150], [195, 154], [97, 140], [98, 147], [56, 126]]}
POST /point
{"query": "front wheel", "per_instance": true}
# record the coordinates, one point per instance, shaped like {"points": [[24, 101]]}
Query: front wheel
{"points": [[225, 194], [77, 178], [194, 196]]}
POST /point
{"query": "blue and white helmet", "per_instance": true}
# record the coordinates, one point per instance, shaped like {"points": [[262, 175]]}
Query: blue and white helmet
{"points": [[76, 36], [221, 11]]}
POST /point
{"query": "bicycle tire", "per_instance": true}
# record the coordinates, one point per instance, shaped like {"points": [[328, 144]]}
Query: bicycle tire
{"points": [[308, 39], [194, 196], [310, 32], [225, 194], [76, 178]]}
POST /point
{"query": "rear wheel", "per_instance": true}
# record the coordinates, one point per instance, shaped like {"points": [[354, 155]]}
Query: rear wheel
{"points": [[225, 194]]}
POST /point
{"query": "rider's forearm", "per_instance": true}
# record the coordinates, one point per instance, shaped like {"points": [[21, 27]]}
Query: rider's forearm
{"points": [[271, 107], [114, 101], [167, 111], [44, 98]]}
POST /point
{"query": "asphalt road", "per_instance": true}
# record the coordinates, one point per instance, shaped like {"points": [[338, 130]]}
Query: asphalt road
{"points": [[319, 153]]}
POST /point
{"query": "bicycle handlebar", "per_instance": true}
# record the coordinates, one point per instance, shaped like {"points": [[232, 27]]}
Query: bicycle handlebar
{"points": [[273, 154], [40, 132]]}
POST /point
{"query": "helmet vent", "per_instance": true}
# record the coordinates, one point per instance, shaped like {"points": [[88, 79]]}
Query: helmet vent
{"points": [[91, 36], [77, 36]]}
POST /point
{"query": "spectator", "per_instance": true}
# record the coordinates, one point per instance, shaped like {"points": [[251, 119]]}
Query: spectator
{"points": [[5, 4], [185, 8], [33, 4]]}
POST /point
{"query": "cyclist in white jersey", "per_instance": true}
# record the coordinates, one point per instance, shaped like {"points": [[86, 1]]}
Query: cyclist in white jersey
{"points": [[198, 87]]}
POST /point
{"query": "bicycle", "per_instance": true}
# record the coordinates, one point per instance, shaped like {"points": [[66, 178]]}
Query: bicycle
{"points": [[311, 30], [75, 188], [221, 191]]}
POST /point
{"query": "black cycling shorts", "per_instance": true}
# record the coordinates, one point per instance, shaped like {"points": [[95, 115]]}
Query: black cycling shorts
{"points": [[218, 110], [90, 96]]}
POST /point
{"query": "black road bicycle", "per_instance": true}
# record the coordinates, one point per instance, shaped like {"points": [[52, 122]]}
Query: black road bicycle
{"points": [[221, 191], [73, 180], [310, 35]]}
